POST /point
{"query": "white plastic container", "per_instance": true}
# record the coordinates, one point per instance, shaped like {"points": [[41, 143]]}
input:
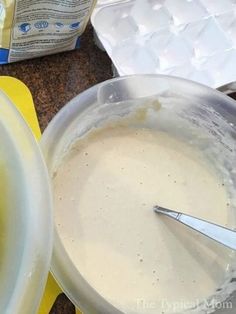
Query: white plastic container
{"points": [[202, 107], [25, 215]]}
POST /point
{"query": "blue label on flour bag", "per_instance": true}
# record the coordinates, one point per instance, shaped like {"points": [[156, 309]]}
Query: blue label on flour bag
{"points": [[41, 24], [33, 28], [75, 25], [4, 55], [25, 27]]}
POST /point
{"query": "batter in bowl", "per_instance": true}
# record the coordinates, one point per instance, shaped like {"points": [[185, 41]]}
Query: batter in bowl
{"points": [[105, 189]]}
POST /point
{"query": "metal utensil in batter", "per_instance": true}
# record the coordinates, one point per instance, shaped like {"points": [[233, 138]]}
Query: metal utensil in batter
{"points": [[213, 231]]}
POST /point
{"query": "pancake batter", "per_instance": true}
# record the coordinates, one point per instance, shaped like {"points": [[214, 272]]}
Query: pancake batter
{"points": [[139, 261]]}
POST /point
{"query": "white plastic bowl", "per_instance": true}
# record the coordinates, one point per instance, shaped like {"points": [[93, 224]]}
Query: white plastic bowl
{"points": [[193, 102], [25, 215]]}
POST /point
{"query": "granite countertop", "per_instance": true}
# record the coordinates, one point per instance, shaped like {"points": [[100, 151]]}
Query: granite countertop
{"points": [[56, 79], [53, 81]]}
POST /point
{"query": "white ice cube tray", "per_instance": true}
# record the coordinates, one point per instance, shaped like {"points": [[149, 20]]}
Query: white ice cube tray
{"points": [[194, 39]]}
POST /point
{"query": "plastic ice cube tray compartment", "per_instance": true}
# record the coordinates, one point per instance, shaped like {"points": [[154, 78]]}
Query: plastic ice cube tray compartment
{"points": [[194, 39]]}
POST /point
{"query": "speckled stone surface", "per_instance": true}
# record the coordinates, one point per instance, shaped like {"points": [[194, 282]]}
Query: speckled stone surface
{"points": [[54, 80]]}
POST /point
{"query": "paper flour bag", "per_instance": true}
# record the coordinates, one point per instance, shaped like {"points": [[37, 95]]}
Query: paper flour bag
{"points": [[33, 28]]}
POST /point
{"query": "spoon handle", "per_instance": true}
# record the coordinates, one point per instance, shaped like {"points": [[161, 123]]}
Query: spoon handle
{"points": [[218, 233]]}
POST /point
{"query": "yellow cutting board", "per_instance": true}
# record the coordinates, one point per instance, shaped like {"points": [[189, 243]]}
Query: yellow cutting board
{"points": [[20, 95]]}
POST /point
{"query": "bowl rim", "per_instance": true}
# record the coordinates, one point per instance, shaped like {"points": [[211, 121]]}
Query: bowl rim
{"points": [[33, 263]]}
